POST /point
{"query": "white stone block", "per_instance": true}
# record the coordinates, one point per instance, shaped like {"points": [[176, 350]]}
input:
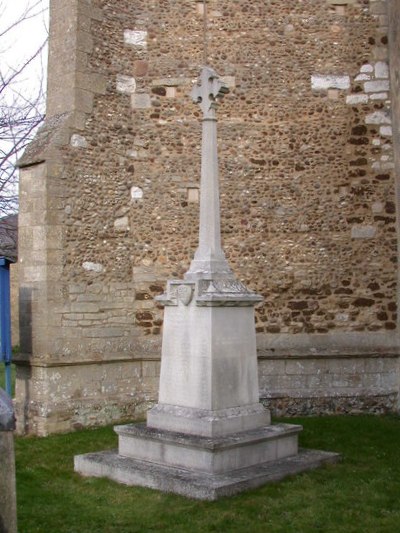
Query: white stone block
{"points": [[230, 81], [378, 117], [363, 232], [136, 38], [141, 101], [200, 8], [376, 86], [136, 193], [126, 84], [363, 77], [289, 28], [121, 224], [320, 82], [333, 94], [171, 92], [379, 96], [93, 267], [354, 99], [341, 2], [381, 70], [171, 82], [367, 68], [193, 195], [386, 131], [377, 207], [78, 141]]}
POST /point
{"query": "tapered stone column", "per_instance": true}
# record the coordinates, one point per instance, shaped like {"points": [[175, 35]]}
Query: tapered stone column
{"points": [[208, 436], [209, 261]]}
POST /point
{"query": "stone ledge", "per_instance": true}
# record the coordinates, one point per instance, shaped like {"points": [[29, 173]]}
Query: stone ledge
{"points": [[197, 485], [171, 82], [26, 360], [209, 455], [340, 2], [269, 432], [280, 404], [48, 135], [338, 344]]}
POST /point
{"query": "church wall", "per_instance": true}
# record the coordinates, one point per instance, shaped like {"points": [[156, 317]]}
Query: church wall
{"points": [[308, 204], [14, 302]]}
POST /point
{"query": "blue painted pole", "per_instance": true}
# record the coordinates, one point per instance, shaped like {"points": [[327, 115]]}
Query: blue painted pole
{"points": [[8, 388], [5, 320]]}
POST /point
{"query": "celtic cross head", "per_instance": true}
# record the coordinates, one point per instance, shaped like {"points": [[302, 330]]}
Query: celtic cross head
{"points": [[207, 91]]}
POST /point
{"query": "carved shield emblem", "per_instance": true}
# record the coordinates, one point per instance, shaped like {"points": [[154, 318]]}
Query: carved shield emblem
{"points": [[184, 294]]}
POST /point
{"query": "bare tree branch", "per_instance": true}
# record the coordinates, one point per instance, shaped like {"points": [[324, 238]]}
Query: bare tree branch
{"points": [[7, 79], [30, 11], [21, 110]]}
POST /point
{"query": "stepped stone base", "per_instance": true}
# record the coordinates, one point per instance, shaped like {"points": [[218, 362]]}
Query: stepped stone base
{"points": [[208, 455], [201, 467], [197, 484]]}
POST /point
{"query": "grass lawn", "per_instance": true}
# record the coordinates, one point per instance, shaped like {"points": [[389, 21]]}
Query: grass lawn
{"points": [[361, 494], [3, 377]]}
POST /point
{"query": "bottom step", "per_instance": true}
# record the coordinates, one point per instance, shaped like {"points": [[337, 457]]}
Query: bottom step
{"points": [[194, 484]]}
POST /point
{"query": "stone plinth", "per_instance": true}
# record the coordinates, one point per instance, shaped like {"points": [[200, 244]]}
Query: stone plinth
{"points": [[208, 382], [208, 455], [206, 422]]}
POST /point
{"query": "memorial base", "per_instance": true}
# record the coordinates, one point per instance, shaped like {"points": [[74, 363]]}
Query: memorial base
{"points": [[207, 423], [200, 467]]}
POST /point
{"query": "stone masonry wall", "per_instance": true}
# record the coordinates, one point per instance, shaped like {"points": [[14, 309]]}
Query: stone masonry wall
{"points": [[307, 190], [14, 301], [306, 157]]}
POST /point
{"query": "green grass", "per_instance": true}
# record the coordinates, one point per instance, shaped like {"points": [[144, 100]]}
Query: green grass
{"points": [[361, 494], [3, 377], [15, 350]]}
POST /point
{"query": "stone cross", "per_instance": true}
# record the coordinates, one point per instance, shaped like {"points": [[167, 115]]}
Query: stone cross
{"points": [[207, 91], [209, 261], [208, 435]]}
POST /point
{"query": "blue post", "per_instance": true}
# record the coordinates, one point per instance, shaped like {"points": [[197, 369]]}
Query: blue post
{"points": [[5, 320]]}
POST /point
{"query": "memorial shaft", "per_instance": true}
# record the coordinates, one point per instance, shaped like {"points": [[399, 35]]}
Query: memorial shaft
{"points": [[209, 260], [210, 227]]}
